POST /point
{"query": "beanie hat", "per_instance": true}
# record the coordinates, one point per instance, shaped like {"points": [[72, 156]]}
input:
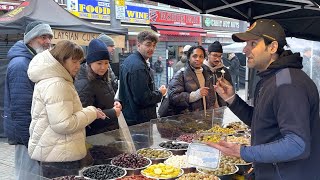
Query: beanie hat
{"points": [[107, 40], [186, 48], [36, 29], [97, 51], [215, 47]]}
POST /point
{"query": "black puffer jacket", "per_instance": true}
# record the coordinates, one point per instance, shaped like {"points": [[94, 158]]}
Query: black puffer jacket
{"points": [[183, 83], [98, 93]]}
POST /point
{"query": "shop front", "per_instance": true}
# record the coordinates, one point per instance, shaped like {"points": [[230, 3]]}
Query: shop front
{"points": [[176, 30]]}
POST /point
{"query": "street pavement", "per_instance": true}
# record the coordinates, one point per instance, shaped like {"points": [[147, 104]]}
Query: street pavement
{"points": [[6, 160], [7, 151]]}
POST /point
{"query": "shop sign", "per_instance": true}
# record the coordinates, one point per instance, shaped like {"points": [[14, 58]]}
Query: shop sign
{"points": [[100, 10], [173, 18], [7, 7], [120, 9], [90, 9], [220, 24], [136, 14], [83, 38]]}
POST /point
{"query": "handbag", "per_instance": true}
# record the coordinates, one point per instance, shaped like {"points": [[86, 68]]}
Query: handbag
{"points": [[164, 106]]}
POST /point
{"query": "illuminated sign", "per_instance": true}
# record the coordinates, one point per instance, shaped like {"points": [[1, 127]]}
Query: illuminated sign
{"points": [[100, 10], [220, 23], [135, 14], [173, 18], [90, 9]]}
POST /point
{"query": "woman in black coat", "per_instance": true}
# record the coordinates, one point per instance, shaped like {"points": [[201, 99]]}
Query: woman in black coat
{"points": [[191, 88], [95, 88]]}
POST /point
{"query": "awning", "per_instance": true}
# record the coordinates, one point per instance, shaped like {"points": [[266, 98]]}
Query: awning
{"points": [[178, 30]]}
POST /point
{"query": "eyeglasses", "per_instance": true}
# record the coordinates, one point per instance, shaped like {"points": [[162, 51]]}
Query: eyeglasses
{"points": [[215, 55]]}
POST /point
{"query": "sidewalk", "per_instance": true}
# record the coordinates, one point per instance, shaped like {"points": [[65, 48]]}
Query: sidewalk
{"points": [[7, 151], [6, 160]]}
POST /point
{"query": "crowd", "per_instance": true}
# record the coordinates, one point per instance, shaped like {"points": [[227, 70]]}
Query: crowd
{"points": [[56, 96]]}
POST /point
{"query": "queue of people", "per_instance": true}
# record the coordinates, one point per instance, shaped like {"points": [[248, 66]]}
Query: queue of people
{"points": [[52, 101]]}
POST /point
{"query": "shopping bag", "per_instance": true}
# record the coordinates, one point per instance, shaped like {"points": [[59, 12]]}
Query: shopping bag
{"points": [[164, 107], [124, 129]]}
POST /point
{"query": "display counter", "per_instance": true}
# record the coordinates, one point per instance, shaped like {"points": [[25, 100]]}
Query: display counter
{"points": [[105, 146]]}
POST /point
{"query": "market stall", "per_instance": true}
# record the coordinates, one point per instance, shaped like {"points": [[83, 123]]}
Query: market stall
{"points": [[156, 135]]}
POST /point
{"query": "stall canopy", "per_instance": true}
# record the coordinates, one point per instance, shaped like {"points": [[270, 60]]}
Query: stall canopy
{"points": [[300, 18], [48, 11]]}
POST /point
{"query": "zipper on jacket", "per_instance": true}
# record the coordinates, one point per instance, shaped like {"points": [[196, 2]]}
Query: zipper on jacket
{"points": [[278, 171]]}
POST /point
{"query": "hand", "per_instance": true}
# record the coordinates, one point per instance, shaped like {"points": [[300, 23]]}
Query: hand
{"points": [[100, 114], [118, 111], [163, 90], [224, 89], [204, 91], [229, 149], [117, 104]]}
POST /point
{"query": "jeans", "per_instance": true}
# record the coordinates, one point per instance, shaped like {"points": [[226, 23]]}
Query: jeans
{"points": [[158, 79], [25, 167]]}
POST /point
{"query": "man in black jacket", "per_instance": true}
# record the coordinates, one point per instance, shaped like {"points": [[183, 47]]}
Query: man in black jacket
{"points": [[137, 89], [214, 63], [284, 120]]}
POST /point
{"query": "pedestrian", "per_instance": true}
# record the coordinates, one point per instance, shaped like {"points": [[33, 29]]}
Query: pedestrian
{"points": [[158, 66], [285, 137], [94, 87], [214, 63], [306, 61], [109, 42], [234, 68], [57, 130], [137, 89], [183, 59], [18, 95], [191, 88]]}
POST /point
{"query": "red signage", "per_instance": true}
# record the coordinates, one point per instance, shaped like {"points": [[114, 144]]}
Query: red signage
{"points": [[173, 18]]}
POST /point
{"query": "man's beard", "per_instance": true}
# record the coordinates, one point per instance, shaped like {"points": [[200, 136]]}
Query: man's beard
{"points": [[39, 48]]}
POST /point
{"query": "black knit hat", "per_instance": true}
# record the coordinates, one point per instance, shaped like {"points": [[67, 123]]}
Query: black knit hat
{"points": [[215, 47], [97, 51]]}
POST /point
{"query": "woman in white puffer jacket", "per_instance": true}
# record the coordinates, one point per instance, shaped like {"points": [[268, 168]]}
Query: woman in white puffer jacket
{"points": [[57, 129]]}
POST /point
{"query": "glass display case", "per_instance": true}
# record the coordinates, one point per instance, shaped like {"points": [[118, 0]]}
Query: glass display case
{"points": [[105, 146]]}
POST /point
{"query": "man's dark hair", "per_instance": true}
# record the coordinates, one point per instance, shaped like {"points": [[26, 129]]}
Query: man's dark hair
{"points": [[146, 35], [280, 50], [196, 47]]}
